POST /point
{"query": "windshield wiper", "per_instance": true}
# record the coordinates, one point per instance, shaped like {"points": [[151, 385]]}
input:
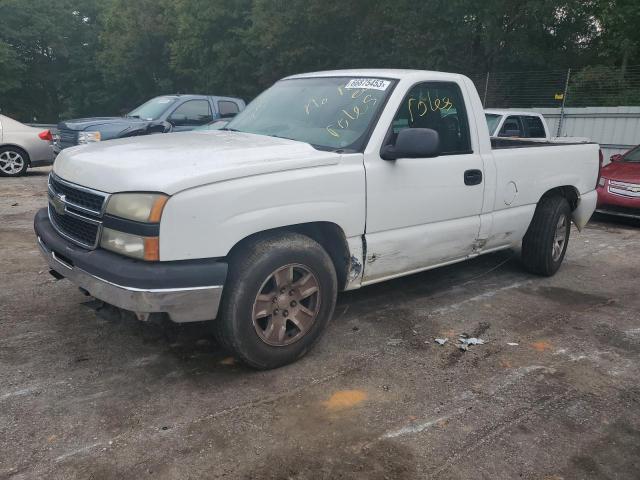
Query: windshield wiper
{"points": [[133, 116], [230, 129]]}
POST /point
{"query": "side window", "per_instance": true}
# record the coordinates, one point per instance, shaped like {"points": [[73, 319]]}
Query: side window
{"points": [[512, 127], [535, 129], [227, 108], [192, 113], [440, 107]]}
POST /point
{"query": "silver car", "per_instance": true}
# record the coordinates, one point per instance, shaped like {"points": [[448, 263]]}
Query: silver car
{"points": [[22, 146]]}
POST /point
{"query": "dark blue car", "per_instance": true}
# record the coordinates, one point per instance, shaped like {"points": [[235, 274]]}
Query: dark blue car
{"points": [[168, 113]]}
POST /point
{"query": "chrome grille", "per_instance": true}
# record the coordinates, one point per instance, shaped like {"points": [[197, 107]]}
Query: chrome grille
{"points": [[75, 228], [76, 212], [624, 189], [67, 137], [82, 198]]}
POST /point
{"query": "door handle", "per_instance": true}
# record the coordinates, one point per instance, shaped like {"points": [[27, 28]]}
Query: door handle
{"points": [[472, 177]]}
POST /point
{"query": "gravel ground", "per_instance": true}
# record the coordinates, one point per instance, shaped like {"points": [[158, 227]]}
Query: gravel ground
{"points": [[86, 392]]}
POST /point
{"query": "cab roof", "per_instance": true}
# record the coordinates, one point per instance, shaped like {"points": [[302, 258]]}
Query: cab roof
{"points": [[391, 73]]}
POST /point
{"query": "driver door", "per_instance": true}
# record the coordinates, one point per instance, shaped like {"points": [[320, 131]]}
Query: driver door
{"points": [[422, 212]]}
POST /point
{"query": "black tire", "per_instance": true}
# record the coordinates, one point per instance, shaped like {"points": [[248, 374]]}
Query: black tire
{"points": [[538, 243], [11, 150], [250, 268]]}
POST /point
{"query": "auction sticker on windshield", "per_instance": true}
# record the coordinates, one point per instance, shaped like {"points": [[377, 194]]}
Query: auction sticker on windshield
{"points": [[370, 83]]}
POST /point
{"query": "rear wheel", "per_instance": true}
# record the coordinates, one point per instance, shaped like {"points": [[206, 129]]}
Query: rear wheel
{"points": [[13, 161], [278, 298], [546, 240]]}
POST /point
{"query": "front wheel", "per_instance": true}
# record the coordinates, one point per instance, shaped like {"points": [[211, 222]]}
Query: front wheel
{"points": [[545, 243], [278, 299]]}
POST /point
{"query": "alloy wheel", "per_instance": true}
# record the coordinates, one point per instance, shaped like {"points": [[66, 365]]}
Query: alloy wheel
{"points": [[559, 238], [287, 305], [11, 163]]}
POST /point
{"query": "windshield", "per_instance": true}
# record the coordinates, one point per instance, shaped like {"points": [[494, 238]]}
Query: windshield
{"points": [[329, 113], [492, 122], [153, 109], [632, 156]]}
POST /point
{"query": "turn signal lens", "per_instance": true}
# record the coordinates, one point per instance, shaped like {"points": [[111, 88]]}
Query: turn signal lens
{"points": [[156, 209], [152, 249]]}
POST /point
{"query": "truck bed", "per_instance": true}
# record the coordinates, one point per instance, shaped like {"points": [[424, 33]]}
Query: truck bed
{"points": [[503, 143]]}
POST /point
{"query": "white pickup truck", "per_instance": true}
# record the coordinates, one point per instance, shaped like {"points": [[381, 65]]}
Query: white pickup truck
{"points": [[327, 181], [531, 125]]}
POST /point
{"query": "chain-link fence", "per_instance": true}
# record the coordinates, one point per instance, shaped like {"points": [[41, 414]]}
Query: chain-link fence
{"points": [[593, 86]]}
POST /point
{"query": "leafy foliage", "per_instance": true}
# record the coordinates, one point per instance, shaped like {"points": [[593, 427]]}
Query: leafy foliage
{"points": [[98, 57]]}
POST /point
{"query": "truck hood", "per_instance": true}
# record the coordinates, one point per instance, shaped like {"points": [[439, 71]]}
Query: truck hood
{"points": [[173, 162], [622, 171], [80, 124]]}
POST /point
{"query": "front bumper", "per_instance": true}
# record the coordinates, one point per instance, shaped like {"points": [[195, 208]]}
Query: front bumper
{"points": [[187, 291], [615, 204]]}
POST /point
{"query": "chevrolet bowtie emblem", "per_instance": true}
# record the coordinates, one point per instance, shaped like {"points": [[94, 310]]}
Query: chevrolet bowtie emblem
{"points": [[58, 202]]}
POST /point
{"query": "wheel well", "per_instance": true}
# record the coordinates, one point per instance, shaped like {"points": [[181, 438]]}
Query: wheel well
{"points": [[329, 235], [566, 191], [17, 147]]}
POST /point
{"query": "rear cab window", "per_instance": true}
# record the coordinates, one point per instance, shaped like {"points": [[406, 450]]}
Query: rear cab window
{"points": [[534, 127], [440, 107], [512, 127], [227, 108]]}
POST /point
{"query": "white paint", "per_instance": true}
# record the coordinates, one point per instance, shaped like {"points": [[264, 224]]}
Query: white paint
{"points": [[482, 296], [415, 428], [634, 332], [516, 375], [19, 393], [78, 451]]}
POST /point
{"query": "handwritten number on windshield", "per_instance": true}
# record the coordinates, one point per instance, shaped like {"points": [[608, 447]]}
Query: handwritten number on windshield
{"points": [[353, 114]]}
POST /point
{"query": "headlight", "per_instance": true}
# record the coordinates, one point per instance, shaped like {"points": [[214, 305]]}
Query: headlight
{"points": [[602, 181], [138, 207], [141, 207], [144, 248], [88, 137]]}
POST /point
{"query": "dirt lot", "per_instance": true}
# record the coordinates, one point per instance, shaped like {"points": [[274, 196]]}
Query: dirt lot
{"points": [[88, 393]]}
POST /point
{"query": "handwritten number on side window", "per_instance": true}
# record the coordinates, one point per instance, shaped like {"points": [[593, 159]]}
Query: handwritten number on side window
{"points": [[423, 105]]}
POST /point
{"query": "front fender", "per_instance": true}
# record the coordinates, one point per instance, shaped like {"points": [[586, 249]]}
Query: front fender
{"points": [[207, 221]]}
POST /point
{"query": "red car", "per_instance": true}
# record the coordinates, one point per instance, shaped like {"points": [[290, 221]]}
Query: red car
{"points": [[619, 185]]}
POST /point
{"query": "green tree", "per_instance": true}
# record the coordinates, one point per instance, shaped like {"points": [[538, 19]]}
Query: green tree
{"points": [[620, 37], [134, 54], [208, 51], [46, 52]]}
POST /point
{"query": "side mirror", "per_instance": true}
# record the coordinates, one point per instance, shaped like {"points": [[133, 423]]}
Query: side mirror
{"points": [[160, 127], [616, 157], [178, 120], [413, 143]]}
